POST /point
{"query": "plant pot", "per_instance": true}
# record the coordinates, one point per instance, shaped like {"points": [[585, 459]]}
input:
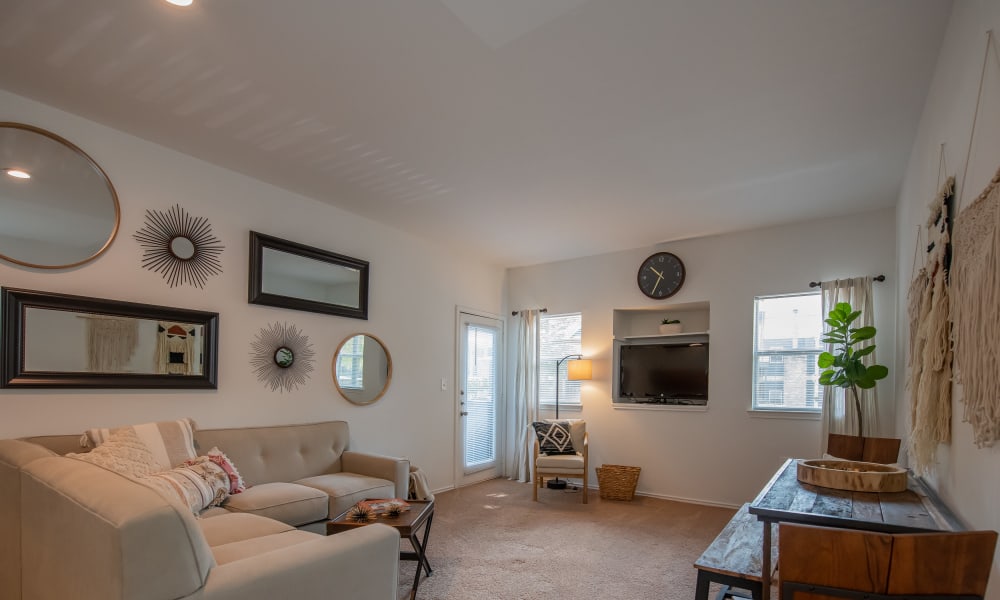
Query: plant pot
{"points": [[671, 328]]}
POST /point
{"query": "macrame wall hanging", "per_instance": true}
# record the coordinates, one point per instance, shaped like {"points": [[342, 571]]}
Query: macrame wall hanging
{"points": [[282, 357], [110, 343], [180, 247], [930, 344], [975, 295]]}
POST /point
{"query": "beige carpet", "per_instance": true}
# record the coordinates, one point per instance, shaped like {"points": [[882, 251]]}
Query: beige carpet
{"points": [[491, 541]]}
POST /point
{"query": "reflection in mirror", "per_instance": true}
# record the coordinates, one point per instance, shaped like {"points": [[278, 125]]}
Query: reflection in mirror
{"points": [[57, 340], [68, 342], [362, 368], [182, 248], [300, 277], [59, 208], [284, 357]]}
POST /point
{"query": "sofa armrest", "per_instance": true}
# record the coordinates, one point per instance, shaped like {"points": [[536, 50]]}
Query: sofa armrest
{"points": [[360, 564], [396, 470]]}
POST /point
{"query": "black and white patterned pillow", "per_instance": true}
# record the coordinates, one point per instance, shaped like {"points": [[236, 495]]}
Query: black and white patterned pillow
{"points": [[554, 438]]}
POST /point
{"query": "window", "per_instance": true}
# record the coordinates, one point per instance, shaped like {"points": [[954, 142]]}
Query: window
{"points": [[351, 364], [559, 336], [786, 344]]}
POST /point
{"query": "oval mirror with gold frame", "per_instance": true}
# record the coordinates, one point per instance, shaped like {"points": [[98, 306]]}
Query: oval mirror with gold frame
{"points": [[59, 207], [362, 368]]}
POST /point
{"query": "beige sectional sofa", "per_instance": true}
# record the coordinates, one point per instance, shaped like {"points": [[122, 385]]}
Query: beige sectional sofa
{"points": [[72, 529]]}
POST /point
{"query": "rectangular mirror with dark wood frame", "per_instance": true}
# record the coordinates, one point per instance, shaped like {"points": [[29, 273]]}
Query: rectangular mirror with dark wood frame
{"points": [[292, 275], [61, 341]]}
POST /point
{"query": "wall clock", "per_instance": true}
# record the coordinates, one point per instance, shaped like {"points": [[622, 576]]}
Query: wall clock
{"points": [[661, 275]]}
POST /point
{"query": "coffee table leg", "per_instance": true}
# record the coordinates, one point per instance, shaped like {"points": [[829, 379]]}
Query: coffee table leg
{"points": [[420, 547]]}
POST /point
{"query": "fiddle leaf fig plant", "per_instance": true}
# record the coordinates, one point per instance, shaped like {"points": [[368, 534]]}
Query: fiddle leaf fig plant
{"points": [[843, 367]]}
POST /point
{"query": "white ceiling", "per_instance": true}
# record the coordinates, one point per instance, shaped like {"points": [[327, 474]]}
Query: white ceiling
{"points": [[521, 131]]}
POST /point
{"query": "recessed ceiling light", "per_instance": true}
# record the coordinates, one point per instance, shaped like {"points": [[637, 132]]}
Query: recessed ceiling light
{"points": [[18, 173], [181, 2]]}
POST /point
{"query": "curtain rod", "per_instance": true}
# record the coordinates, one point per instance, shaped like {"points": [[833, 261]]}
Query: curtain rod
{"points": [[514, 312], [813, 284]]}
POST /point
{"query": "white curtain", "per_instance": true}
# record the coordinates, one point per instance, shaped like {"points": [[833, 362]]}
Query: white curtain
{"points": [[838, 415], [524, 410]]}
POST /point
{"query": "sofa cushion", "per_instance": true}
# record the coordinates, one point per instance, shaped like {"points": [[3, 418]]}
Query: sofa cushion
{"points": [[171, 442], [286, 502], [281, 452], [236, 527], [560, 461], [345, 489], [227, 553]]}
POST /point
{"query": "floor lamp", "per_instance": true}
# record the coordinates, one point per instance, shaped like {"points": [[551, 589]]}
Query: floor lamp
{"points": [[577, 369]]}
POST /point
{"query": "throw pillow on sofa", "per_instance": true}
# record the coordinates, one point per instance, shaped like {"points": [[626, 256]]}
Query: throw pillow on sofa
{"points": [[197, 484], [122, 452], [236, 483], [171, 442]]}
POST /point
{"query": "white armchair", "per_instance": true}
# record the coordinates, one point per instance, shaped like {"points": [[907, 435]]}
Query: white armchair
{"points": [[564, 465]]}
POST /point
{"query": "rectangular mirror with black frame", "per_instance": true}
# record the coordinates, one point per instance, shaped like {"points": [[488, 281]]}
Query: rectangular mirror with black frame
{"points": [[61, 341], [291, 275]]}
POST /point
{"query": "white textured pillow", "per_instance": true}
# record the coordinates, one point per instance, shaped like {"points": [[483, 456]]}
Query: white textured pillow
{"points": [[198, 484], [122, 452], [171, 442]]}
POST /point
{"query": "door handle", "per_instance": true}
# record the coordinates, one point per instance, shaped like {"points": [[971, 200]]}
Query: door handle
{"points": [[463, 413]]}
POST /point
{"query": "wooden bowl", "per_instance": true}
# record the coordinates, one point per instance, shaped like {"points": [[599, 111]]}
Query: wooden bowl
{"points": [[852, 475]]}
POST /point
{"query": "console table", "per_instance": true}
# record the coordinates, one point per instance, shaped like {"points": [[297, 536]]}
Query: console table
{"points": [[785, 498]]}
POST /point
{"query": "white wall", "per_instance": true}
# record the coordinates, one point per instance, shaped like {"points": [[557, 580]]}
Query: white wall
{"points": [[414, 290], [968, 478], [723, 455]]}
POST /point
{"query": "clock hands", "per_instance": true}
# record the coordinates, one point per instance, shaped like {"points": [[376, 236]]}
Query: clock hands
{"points": [[659, 278]]}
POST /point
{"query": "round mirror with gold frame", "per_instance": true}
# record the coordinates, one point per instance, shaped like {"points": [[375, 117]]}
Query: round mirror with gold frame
{"points": [[59, 207], [362, 368]]}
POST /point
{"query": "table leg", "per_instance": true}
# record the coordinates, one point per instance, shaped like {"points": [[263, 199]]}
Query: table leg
{"points": [[765, 563], [420, 549]]}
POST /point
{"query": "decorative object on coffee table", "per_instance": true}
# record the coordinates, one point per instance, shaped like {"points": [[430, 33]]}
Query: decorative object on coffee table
{"points": [[361, 512], [281, 357], [180, 247]]}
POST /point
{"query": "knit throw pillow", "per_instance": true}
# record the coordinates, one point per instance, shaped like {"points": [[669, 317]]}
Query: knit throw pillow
{"points": [[554, 437], [171, 442], [122, 452]]}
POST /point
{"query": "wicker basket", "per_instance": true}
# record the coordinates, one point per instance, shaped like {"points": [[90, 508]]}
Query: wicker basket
{"points": [[617, 482]]}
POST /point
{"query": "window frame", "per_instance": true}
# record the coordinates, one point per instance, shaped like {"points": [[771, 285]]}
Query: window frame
{"points": [[571, 403], [783, 410]]}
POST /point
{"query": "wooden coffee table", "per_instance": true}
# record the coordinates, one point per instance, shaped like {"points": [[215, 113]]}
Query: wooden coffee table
{"points": [[408, 524]]}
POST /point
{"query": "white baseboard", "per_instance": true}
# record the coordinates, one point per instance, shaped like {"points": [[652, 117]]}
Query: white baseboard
{"points": [[681, 499]]}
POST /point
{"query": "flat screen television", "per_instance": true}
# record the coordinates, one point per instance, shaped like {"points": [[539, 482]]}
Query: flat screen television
{"points": [[663, 373]]}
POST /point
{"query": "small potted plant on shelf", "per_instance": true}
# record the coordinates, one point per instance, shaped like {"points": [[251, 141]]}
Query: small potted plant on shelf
{"points": [[668, 326]]}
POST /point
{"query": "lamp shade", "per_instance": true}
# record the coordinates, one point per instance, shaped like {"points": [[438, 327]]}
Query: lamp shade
{"points": [[577, 370]]}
